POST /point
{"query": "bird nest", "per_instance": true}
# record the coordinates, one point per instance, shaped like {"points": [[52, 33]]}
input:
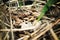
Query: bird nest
{"points": [[21, 23]]}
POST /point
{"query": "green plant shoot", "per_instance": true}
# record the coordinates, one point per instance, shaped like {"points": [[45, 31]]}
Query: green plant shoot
{"points": [[46, 7]]}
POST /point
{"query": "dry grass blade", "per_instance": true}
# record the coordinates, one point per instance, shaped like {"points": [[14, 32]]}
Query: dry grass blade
{"points": [[6, 36], [53, 34], [17, 29], [12, 34]]}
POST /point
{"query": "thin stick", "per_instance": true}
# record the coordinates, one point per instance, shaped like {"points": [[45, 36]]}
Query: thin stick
{"points": [[18, 29], [11, 27], [11, 24], [42, 33], [42, 26], [6, 35], [53, 34]]}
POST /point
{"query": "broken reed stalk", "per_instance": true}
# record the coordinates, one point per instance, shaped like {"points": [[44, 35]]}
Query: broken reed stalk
{"points": [[38, 30], [6, 36], [17, 29], [50, 26], [53, 34], [41, 29], [11, 25], [12, 34], [42, 32]]}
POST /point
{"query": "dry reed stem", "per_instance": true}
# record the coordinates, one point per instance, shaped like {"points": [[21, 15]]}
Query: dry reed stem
{"points": [[48, 28], [6, 36], [38, 30], [17, 29], [12, 34], [40, 34], [53, 34]]}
